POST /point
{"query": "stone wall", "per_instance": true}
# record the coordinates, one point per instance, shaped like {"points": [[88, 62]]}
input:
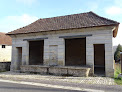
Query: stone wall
{"points": [[101, 39], [5, 66], [99, 35]]}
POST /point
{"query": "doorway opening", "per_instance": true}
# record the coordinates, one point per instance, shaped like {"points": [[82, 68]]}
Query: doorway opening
{"points": [[75, 52], [99, 59], [36, 52], [19, 56]]}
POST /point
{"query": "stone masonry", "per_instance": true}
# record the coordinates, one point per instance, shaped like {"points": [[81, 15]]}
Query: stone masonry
{"points": [[56, 70], [99, 35]]}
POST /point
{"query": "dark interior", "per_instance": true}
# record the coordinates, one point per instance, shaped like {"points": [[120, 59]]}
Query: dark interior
{"points": [[75, 52], [99, 59], [36, 52]]}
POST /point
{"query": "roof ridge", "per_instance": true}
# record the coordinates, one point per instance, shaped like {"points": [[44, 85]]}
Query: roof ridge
{"points": [[66, 15]]}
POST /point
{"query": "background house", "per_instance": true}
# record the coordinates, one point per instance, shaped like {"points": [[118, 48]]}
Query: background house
{"points": [[5, 47]]}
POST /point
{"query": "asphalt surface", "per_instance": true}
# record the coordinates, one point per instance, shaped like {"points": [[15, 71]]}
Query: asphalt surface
{"points": [[12, 87], [106, 88]]}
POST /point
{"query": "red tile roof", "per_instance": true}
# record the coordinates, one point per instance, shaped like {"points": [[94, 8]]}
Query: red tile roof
{"points": [[5, 39], [82, 20]]}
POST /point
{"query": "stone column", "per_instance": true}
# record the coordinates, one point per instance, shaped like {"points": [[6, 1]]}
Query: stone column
{"points": [[90, 54], [61, 52], [46, 52], [109, 68], [54, 41], [25, 53], [14, 61]]}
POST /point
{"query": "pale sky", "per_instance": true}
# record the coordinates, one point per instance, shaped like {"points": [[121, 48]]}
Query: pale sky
{"points": [[19, 13]]}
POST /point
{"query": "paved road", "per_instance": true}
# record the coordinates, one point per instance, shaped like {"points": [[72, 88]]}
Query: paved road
{"points": [[12, 87], [15, 87], [106, 88]]}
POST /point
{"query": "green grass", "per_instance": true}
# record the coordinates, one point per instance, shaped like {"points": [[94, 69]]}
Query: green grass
{"points": [[116, 73]]}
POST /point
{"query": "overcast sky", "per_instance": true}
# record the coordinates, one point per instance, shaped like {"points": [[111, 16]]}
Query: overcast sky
{"points": [[19, 13]]}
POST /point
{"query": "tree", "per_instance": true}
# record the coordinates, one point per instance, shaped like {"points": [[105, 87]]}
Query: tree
{"points": [[117, 53]]}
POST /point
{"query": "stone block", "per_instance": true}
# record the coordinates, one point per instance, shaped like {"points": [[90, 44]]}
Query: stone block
{"points": [[58, 70], [108, 53], [46, 61], [109, 73], [61, 62], [82, 72], [34, 69]]}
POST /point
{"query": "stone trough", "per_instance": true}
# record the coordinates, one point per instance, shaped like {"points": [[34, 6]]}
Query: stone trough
{"points": [[57, 70]]}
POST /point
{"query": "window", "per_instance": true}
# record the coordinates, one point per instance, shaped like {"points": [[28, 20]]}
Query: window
{"points": [[3, 46]]}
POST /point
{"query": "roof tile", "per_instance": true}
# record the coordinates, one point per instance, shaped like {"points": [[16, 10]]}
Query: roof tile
{"points": [[5, 39], [81, 20]]}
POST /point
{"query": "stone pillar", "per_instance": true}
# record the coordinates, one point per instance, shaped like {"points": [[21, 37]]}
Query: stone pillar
{"points": [[89, 54], [109, 68], [46, 52], [61, 52], [14, 61], [54, 41], [25, 53]]}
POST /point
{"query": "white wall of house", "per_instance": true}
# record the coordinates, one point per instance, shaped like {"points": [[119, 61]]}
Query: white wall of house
{"points": [[100, 35], [5, 53]]}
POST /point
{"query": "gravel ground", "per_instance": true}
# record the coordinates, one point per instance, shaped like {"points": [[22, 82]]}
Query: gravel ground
{"points": [[86, 80]]}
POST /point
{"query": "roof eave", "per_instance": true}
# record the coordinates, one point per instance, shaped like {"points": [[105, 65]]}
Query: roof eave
{"points": [[115, 31], [114, 34]]}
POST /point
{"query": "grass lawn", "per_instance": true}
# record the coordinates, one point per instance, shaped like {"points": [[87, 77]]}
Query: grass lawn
{"points": [[116, 73]]}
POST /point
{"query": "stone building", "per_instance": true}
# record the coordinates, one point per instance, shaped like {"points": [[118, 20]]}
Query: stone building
{"points": [[5, 47], [74, 44]]}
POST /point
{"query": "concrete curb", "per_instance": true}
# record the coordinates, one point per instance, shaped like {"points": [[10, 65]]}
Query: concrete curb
{"points": [[52, 86]]}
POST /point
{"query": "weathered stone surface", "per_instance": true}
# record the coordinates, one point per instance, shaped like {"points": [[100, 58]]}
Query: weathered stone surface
{"points": [[5, 66], [79, 71], [100, 35], [34, 69], [58, 70]]}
